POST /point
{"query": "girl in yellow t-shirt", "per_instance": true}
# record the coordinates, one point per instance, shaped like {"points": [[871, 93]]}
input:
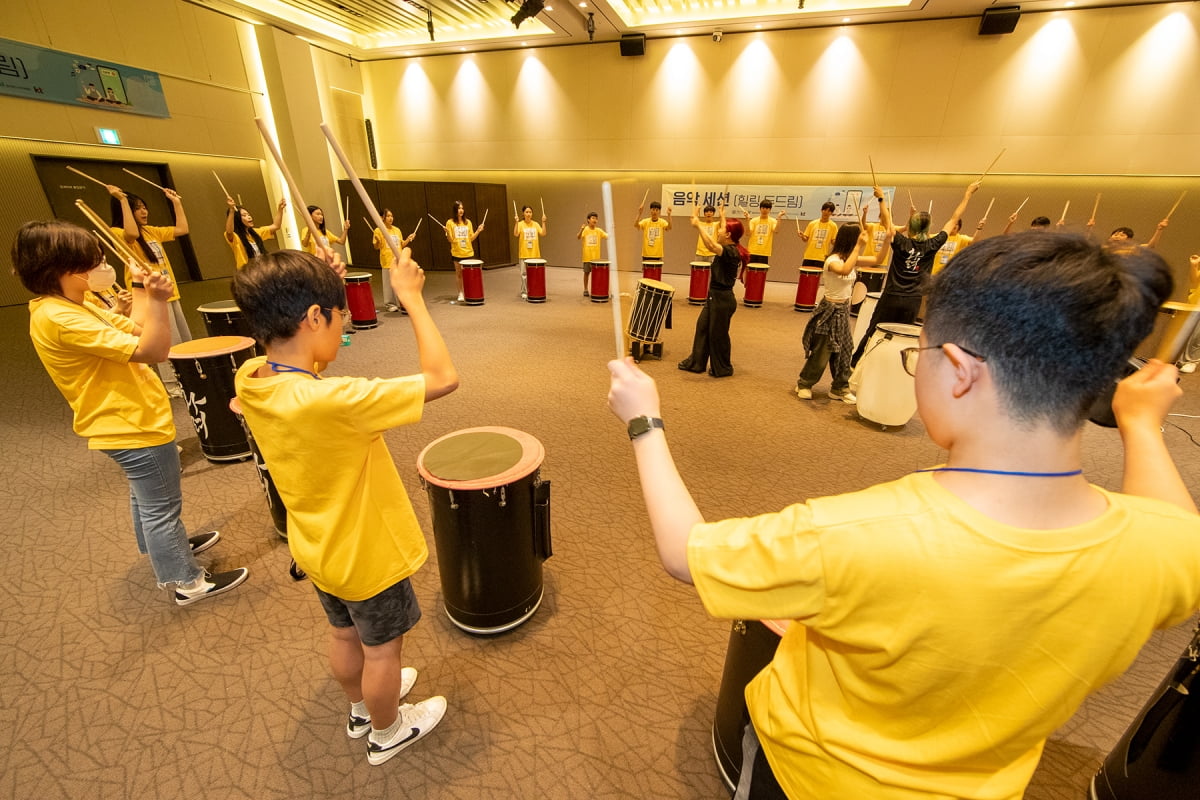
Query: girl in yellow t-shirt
{"points": [[318, 216], [380, 243], [99, 362], [245, 240], [460, 233], [528, 235]]}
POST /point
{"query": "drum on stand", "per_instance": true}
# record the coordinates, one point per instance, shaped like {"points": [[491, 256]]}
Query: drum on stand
{"points": [[807, 288], [472, 280], [274, 502], [491, 525], [752, 645], [886, 393], [652, 269], [599, 281], [651, 306], [205, 369], [756, 285], [698, 289], [1158, 756], [224, 318], [871, 279], [535, 272], [361, 301]]}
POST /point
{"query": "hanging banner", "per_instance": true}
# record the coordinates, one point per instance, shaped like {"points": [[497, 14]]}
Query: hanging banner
{"points": [[801, 202], [37, 73]]}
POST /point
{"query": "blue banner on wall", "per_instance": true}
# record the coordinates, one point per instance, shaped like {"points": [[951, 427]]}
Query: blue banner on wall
{"points": [[37, 73]]}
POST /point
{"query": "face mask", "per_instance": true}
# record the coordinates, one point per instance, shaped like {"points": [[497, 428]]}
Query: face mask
{"points": [[101, 278]]}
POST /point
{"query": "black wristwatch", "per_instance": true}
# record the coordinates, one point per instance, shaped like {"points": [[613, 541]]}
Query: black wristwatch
{"points": [[643, 424]]}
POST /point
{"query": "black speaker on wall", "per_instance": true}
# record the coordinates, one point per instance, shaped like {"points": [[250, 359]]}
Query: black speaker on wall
{"points": [[633, 44], [999, 20], [371, 144]]}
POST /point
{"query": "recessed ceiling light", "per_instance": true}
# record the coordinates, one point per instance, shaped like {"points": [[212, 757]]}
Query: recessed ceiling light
{"points": [[583, 5], [845, 19], [1071, 4]]}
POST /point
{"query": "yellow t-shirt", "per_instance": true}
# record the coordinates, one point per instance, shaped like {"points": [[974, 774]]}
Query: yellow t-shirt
{"points": [[239, 251], [380, 244], [154, 237], [460, 239], [820, 240], [936, 649], [591, 239], [876, 234], [761, 235], [118, 404], [711, 229], [654, 234], [351, 526], [309, 245], [952, 246], [528, 240]]}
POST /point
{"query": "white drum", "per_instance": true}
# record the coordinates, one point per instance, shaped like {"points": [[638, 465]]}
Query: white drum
{"points": [[886, 393], [864, 316]]}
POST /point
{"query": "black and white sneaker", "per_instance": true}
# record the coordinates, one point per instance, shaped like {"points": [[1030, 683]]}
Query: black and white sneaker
{"points": [[210, 585], [415, 721], [358, 727], [202, 541]]}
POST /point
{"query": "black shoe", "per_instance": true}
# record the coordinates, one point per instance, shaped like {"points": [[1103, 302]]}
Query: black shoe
{"points": [[686, 366], [211, 586], [202, 541]]}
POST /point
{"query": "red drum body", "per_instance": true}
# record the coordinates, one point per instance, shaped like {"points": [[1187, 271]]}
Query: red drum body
{"points": [[361, 301], [491, 525], [872, 278], [535, 274], [698, 289], [472, 280], [752, 645], [599, 279], [274, 502], [652, 270], [205, 369], [806, 288], [756, 284]]}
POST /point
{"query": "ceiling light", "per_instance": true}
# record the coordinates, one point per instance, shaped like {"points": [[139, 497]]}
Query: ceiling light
{"points": [[845, 19]]}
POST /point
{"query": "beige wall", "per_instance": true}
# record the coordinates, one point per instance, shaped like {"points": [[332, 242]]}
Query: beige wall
{"points": [[1104, 91]]}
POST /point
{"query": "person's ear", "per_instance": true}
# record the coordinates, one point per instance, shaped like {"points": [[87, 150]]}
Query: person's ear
{"points": [[313, 316], [967, 368]]}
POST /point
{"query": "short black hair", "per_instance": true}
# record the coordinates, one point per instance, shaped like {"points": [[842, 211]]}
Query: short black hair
{"points": [[765, 204], [710, 209], [828, 206], [275, 291], [655, 204], [1056, 317], [1127, 231], [1039, 222], [44, 251], [593, 214]]}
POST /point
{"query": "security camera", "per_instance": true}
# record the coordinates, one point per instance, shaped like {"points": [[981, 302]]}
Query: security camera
{"points": [[717, 34]]}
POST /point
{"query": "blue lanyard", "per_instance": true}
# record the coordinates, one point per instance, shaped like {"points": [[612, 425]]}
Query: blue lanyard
{"points": [[289, 368], [1006, 472]]}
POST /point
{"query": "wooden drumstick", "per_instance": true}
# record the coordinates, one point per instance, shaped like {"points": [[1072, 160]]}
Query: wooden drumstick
{"points": [[358, 187], [225, 191], [797, 224], [432, 217], [1023, 202], [314, 231], [989, 208], [118, 246], [418, 226], [239, 200], [484, 220], [994, 160], [543, 202], [618, 334], [911, 204], [347, 214], [147, 180], [97, 180], [515, 214], [644, 198], [931, 208], [1096, 207], [1177, 202], [367, 221], [110, 248], [874, 182], [1063, 218]]}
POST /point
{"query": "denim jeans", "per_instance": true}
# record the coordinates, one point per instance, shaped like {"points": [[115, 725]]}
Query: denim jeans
{"points": [[156, 502]]}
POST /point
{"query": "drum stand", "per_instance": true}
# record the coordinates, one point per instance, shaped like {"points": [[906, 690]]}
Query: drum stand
{"points": [[640, 349]]}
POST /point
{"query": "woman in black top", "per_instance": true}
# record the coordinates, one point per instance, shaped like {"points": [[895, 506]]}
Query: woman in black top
{"points": [[711, 347]]}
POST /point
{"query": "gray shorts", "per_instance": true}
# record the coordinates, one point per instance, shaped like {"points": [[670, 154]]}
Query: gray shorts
{"points": [[379, 619]]}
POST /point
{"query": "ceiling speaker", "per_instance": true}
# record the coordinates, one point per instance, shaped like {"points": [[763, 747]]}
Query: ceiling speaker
{"points": [[633, 44], [999, 20]]}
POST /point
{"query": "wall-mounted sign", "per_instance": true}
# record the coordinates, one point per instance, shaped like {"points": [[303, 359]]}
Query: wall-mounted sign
{"points": [[37, 73]]}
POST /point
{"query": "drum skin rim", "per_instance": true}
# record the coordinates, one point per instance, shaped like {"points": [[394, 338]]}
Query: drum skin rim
{"points": [[219, 306], [653, 262], [700, 265], [532, 455], [777, 626], [471, 262], [534, 262], [872, 269], [812, 269], [900, 329], [212, 346], [758, 267], [657, 286], [601, 263], [358, 277], [1174, 305]]}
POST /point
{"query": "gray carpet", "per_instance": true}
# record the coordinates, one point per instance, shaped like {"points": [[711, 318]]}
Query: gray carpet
{"points": [[111, 691]]}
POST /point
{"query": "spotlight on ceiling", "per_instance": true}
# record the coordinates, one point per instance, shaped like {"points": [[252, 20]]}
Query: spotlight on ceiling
{"points": [[529, 8], [429, 22]]}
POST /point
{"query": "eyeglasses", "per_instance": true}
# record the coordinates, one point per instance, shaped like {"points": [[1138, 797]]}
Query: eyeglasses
{"points": [[910, 355], [342, 313]]}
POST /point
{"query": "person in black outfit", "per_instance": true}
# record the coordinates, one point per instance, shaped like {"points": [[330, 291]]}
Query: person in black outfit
{"points": [[912, 256], [711, 346]]}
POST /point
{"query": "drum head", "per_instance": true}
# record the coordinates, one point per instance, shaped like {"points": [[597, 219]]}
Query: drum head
{"points": [[471, 262], [535, 262], [210, 346], [658, 286], [700, 265], [651, 263], [357, 277], [480, 458], [221, 306], [900, 329], [598, 263], [859, 293]]}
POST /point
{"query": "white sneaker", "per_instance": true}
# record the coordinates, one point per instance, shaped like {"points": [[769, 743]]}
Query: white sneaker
{"points": [[358, 727], [461, 298], [1188, 368], [391, 307], [846, 397], [415, 722], [803, 394]]}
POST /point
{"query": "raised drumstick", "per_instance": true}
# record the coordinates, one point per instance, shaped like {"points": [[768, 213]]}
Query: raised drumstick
{"points": [[418, 226], [989, 208], [147, 180], [358, 187], [483, 221], [606, 194], [313, 231], [1177, 202], [994, 160], [1096, 207], [223, 189], [105, 185], [874, 182], [1063, 218], [1023, 202], [432, 217]]}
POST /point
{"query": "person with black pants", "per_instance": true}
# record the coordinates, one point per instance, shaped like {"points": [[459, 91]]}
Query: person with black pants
{"points": [[711, 346]]}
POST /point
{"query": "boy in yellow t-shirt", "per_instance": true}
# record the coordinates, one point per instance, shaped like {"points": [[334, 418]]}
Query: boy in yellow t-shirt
{"points": [[946, 623], [654, 230], [351, 526], [590, 237], [818, 237]]}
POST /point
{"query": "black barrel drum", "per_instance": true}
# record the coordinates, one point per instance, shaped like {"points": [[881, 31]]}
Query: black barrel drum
{"points": [[274, 502], [205, 369]]}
